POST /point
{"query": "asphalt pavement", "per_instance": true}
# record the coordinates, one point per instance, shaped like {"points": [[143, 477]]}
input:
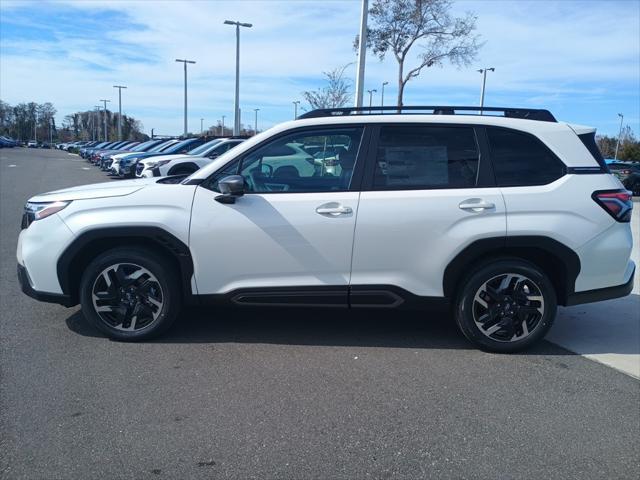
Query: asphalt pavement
{"points": [[278, 393]]}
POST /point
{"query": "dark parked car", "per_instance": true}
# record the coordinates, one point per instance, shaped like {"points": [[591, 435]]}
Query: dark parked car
{"points": [[628, 173]]}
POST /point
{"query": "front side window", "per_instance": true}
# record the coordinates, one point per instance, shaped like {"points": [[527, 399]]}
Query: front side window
{"points": [[310, 161], [520, 159], [424, 157]]}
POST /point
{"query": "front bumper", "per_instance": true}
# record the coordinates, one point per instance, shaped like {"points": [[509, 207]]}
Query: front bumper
{"points": [[600, 294], [25, 285]]}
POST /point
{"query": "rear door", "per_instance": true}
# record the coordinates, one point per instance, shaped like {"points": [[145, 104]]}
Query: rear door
{"points": [[427, 194]]}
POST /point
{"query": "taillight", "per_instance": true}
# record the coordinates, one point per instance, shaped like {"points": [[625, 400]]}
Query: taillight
{"points": [[617, 203]]}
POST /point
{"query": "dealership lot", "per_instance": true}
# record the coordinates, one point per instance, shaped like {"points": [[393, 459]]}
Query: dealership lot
{"points": [[301, 393]]}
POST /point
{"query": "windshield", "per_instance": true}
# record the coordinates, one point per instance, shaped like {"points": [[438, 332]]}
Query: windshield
{"points": [[204, 148], [162, 146], [145, 145], [178, 146]]}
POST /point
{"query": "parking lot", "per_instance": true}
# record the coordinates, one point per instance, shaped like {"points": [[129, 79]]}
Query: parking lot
{"points": [[303, 393]]}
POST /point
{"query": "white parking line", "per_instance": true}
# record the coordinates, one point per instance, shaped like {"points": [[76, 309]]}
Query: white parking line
{"points": [[12, 165]]}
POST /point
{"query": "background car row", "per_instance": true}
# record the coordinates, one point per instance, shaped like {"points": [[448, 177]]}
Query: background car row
{"points": [[156, 157]]}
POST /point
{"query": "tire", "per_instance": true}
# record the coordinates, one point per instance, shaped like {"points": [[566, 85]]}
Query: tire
{"points": [[130, 294], [505, 305]]}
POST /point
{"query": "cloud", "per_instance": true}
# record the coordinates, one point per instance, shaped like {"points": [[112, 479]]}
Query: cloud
{"points": [[559, 55]]}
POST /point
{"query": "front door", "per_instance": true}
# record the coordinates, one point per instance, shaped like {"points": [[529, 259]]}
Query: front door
{"points": [[290, 237]]}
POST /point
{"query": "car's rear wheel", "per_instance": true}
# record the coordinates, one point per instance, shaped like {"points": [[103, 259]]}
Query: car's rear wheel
{"points": [[130, 294], [506, 305]]}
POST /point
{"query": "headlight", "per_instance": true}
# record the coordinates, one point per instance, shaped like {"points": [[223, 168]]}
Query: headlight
{"points": [[37, 211]]}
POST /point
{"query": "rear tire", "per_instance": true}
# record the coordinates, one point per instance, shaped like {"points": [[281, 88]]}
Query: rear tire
{"points": [[130, 294], [506, 305]]}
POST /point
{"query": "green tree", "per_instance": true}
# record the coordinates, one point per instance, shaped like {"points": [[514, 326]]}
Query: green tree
{"points": [[397, 26]]}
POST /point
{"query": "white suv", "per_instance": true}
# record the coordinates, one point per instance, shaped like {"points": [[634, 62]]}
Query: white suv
{"points": [[498, 217]]}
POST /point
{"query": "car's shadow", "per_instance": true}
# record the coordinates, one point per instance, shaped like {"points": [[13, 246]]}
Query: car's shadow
{"points": [[315, 326]]}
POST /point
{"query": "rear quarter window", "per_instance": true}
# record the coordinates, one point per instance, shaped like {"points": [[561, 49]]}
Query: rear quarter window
{"points": [[520, 159]]}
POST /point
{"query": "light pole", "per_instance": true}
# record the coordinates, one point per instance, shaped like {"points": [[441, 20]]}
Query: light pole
{"points": [[119, 87], [255, 127], [362, 52], [222, 133], [236, 122], [382, 94], [371, 92], [484, 71], [185, 91], [295, 109], [615, 157], [105, 118], [201, 126], [96, 122]]}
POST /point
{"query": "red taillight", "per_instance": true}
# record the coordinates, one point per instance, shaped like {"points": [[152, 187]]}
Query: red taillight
{"points": [[617, 203]]}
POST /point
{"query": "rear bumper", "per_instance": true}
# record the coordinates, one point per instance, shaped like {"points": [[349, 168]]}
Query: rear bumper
{"points": [[599, 294], [25, 285]]}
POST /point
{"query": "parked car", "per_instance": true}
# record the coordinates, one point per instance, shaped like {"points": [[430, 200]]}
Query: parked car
{"points": [[158, 148], [497, 218], [628, 173], [107, 160], [102, 155], [185, 164], [32, 144], [6, 142], [127, 167]]}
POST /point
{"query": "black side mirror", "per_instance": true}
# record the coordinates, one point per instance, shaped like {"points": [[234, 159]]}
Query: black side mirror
{"points": [[214, 155], [231, 187]]}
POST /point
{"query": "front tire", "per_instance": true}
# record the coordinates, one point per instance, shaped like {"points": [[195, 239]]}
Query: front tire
{"points": [[130, 294], [506, 305]]}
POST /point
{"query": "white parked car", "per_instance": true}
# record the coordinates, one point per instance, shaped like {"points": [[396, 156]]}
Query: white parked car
{"points": [[498, 218], [186, 163]]}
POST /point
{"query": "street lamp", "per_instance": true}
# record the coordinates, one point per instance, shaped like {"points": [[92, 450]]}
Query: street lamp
{"points": [[295, 109], [201, 126], [222, 133], [185, 91], [362, 52], [484, 71], [236, 123], [371, 92], [255, 128], [105, 118], [615, 157], [96, 122], [119, 87], [382, 94]]}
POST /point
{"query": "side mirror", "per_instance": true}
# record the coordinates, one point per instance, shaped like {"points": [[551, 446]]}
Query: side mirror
{"points": [[230, 187], [213, 155]]}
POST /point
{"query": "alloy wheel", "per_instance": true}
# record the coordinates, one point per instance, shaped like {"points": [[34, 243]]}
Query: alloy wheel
{"points": [[508, 307], [127, 296]]}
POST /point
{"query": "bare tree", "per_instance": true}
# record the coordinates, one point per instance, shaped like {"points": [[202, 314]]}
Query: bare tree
{"points": [[335, 94], [398, 25]]}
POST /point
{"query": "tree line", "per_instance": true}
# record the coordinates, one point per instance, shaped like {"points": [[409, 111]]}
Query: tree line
{"points": [[629, 148], [36, 121]]}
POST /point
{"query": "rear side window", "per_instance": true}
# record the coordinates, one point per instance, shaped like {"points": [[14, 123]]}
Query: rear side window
{"points": [[426, 157], [519, 159], [589, 141]]}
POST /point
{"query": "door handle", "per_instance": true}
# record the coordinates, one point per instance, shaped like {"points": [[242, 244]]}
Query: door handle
{"points": [[476, 205], [333, 209]]}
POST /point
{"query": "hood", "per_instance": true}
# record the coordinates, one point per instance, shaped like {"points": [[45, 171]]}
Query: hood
{"points": [[96, 190], [159, 158]]}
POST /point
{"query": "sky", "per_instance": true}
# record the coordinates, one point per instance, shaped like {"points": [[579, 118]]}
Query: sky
{"points": [[579, 59]]}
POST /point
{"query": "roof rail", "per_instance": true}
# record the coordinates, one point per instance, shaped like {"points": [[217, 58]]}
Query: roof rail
{"points": [[524, 113]]}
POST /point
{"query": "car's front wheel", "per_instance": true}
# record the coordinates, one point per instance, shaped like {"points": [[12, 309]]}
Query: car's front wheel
{"points": [[130, 294], [506, 305]]}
